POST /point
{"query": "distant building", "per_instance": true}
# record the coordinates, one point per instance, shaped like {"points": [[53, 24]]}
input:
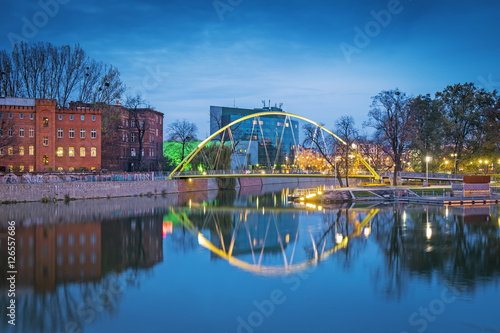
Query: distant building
{"points": [[277, 136], [37, 136]]}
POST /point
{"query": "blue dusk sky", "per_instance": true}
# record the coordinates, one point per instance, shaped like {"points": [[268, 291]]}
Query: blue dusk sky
{"points": [[321, 59]]}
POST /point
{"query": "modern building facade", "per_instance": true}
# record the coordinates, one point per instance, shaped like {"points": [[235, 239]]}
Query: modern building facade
{"points": [[37, 136], [277, 135]]}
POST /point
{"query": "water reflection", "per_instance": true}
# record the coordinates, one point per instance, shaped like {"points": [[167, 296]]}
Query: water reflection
{"points": [[77, 263]]}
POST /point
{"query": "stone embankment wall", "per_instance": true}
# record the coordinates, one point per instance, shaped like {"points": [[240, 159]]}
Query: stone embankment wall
{"points": [[85, 190]]}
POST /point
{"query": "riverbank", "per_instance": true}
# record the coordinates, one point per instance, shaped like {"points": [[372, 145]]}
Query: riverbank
{"points": [[10, 193]]}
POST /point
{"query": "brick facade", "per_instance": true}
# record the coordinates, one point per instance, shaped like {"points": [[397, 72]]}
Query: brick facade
{"points": [[45, 137]]}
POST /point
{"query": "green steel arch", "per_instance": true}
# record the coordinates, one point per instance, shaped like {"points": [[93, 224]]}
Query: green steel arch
{"points": [[202, 144]]}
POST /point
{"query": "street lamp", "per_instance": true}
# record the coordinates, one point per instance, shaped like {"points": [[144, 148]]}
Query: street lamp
{"points": [[455, 159], [427, 160]]}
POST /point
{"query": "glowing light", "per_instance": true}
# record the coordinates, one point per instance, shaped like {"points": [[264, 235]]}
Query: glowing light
{"points": [[190, 203], [320, 193], [308, 205], [339, 238], [287, 238], [167, 228], [301, 198], [427, 159], [320, 207], [190, 180], [428, 231], [367, 231], [263, 211], [404, 216], [446, 212], [262, 172]]}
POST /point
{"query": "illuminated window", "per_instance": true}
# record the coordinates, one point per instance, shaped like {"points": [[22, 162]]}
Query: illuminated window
{"points": [[71, 169], [82, 133], [92, 168], [142, 152], [132, 152], [83, 117], [31, 168], [32, 132], [21, 132], [82, 151], [93, 151], [93, 134], [10, 150], [71, 133], [21, 168], [21, 150], [45, 159], [31, 150], [60, 133], [9, 168], [10, 131], [45, 122], [60, 152], [60, 169], [71, 152], [287, 124], [45, 140]]}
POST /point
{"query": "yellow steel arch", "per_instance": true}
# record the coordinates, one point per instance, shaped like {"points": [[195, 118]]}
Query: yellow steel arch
{"points": [[202, 144]]}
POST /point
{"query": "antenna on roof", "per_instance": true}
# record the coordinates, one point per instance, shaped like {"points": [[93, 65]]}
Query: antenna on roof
{"points": [[281, 104], [264, 102]]}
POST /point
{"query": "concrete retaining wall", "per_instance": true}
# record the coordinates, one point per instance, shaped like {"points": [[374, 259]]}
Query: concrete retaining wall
{"points": [[35, 192]]}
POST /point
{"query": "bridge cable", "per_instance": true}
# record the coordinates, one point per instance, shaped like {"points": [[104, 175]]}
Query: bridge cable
{"points": [[281, 141], [294, 140], [264, 141]]}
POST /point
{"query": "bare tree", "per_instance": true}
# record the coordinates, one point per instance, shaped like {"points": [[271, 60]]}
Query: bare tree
{"points": [[8, 137], [393, 122], [313, 138], [346, 131], [138, 122], [42, 70], [183, 132]]}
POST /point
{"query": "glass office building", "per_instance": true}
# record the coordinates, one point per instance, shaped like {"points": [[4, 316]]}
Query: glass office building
{"points": [[277, 135]]}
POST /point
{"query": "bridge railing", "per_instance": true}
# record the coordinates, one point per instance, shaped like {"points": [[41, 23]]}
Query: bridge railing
{"points": [[430, 175]]}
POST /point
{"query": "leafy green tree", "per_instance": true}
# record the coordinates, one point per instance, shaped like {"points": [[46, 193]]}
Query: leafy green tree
{"points": [[464, 106], [427, 128]]}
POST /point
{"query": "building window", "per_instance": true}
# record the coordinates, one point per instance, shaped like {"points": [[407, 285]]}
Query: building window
{"points": [[32, 116], [10, 131], [1, 150], [60, 169], [21, 150], [156, 132], [21, 132], [93, 238], [71, 152], [31, 150], [71, 133], [132, 152], [60, 117], [60, 132], [71, 169], [45, 140], [123, 137], [71, 239], [93, 133], [82, 133], [132, 137], [60, 152], [21, 168], [10, 115], [142, 152], [45, 159], [82, 239], [31, 168], [45, 122], [10, 150], [70, 117], [1, 132], [83, 117], [9, 168], [82, 151], [1, 114], [93, 151], [32, 132], [93, 118], [21, 116], [152, 152], [132, 123]]}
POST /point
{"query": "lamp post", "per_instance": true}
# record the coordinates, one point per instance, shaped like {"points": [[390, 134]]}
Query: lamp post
{"points": [[427, 160], [455, 159]]}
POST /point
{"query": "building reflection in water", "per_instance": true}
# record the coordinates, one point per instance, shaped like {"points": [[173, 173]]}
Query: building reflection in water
{"points": [[64, 266]]}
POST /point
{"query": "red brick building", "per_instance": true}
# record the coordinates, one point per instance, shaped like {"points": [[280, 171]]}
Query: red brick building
{"points": [[37, 136]]}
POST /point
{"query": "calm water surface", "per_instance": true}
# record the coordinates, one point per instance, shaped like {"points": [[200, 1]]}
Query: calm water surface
{"points": [[250, 262]]}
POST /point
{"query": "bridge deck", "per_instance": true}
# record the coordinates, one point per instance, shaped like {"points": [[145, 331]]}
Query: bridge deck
{"points": [[263, 175]]}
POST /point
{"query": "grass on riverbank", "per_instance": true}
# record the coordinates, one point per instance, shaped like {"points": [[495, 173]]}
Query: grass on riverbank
{"points": [[430, 191], [363, 194]]}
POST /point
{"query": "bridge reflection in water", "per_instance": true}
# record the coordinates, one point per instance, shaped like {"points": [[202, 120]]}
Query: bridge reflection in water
{"points": [[274, 242]]}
